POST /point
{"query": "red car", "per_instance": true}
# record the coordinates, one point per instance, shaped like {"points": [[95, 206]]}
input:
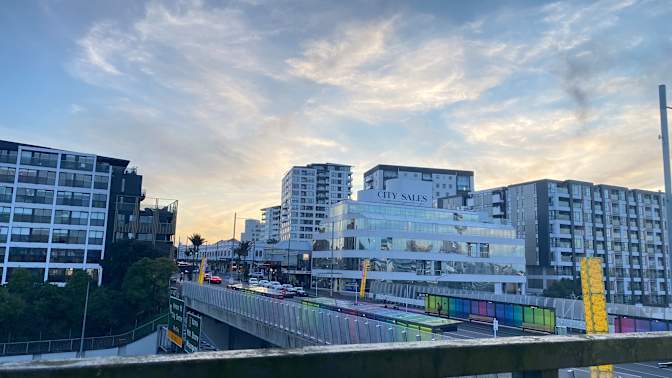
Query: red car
{"points": [[215, 280]]}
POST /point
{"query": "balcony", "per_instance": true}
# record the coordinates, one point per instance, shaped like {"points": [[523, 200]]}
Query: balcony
{"points": [[531, 356]]}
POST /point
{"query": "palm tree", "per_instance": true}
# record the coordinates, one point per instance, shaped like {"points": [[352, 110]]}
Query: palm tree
{"points": [[196, 241], [241, 251]]}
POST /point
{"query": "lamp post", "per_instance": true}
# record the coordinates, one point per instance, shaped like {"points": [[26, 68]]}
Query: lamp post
{"points": [[662, 94], [86, 307]]}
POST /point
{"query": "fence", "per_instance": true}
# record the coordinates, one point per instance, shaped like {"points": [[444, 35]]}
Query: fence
{"points": [[318, 326], [90, 343]]}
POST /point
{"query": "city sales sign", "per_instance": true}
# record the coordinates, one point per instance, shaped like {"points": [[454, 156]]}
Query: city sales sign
{"points": [[400, 192]]}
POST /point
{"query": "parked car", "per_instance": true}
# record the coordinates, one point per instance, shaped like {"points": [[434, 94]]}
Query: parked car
{"points": [[264, 283], [215, 280], [253, 281], [277, 287], [287, 286], [276, 283], [257, 275]]}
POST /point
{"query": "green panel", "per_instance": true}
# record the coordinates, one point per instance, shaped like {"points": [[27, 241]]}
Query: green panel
{"points": [[445, 303], [452, 307], [539, 316], [528, 314], [549, 318], [518, 315]]}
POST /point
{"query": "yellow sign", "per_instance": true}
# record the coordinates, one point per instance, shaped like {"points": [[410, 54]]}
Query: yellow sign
{"points": [[595, 306], [201, 271], [362, 286], [177, 340]]}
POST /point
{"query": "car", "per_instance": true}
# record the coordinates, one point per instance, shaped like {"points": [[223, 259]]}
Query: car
{"points": [[298, 291], [287, 286], [263, 283], [215, 280], [276, 283], [277, 287], [257, 275], [253, 281]]}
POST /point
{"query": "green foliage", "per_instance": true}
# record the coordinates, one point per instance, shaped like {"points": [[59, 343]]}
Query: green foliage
{"points": [[121, 255], [242, 250], [197, 241], [565, 288], [31, 309], [145, 286]]}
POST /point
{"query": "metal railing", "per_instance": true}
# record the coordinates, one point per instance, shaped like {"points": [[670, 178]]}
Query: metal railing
{"points": [[538, 356], [316, 325], [90, 343]]}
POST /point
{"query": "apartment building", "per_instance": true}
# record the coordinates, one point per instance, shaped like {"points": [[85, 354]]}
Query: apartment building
{"points": [[563, 221], [307, 193], [53, 210], [445, 182], [270, 218], [254, 231]]}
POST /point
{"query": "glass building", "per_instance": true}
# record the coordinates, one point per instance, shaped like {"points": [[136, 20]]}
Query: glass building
{"points": [[411, 243]]}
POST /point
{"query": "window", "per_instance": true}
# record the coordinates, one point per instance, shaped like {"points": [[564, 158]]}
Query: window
{"points": [[3, 234], [8, 156], [69, 236], [100, 182], [32, 235], [97, 219], [6, 193], [37, 176], [99, 201], [93, 256], [72, 256], [73, 199], [96, 237], [102, 167], [75, 180], [77, 162], [7, 174], [23, 254], [4, 214], [22, 214], [28, 195], [72, 217], [40, 159]]}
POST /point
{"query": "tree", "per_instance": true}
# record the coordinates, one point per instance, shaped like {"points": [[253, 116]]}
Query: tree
{"points": [[11, 311], [22, 282], [196, 241], [241, 251], [121, 255], [565, 288], [145, 286]]}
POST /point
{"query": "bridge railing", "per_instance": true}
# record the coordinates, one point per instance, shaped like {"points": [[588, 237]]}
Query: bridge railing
{"points": [[524, 356], [319, 326], [90, 343]]}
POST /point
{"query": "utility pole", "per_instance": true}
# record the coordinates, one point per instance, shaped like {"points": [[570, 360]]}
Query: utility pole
{"points": [[86, 307], [666, 168]]}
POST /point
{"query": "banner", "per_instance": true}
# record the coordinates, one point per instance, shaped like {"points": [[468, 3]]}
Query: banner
{"points": [[201, 270]]}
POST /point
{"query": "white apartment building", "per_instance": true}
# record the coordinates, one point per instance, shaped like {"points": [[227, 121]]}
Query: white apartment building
{"points": [[445, 182], [53, 210], [307, 193], [405, 239], [270, 218]]}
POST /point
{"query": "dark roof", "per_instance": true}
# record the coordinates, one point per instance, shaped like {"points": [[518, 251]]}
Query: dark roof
{"points": [[14, 146], [418, 169]]}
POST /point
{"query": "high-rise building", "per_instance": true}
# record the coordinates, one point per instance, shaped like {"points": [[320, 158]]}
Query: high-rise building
{"points": [[445, 182], [270, 218], [53, 210], [563, 221], [307, 193], [405, 239], [59, 211]]}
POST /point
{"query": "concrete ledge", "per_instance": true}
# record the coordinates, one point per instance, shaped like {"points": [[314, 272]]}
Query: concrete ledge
{"points": [[422, 359]]}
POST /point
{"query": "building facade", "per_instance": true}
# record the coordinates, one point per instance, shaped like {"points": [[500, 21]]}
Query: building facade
{"points": [[404, 239], [307, 193], [563, 221], [270, 218], [445, 182], [254, 231], [54, 210]]}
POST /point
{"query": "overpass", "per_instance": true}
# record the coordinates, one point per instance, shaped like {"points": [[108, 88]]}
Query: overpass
{"points": [[285, 323]]}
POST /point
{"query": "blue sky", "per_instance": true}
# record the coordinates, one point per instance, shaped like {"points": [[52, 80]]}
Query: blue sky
{"points": [[215, 100]]}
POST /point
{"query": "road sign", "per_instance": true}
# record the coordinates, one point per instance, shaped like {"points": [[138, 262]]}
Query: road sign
{"points": [[176, 321], [192, 338]]}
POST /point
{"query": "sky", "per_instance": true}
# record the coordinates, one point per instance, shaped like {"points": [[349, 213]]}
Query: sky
{"points": [[214, 101]]}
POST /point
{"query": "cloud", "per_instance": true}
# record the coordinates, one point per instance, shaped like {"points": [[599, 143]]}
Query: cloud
{"points": [[216, 103]]}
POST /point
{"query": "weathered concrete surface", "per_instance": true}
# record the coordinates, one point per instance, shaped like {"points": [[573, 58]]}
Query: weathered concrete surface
{"points": [[271, 334], [421, 359]]}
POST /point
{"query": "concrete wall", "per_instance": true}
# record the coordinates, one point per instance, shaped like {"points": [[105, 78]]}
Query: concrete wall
{"points": [[145, 346]]}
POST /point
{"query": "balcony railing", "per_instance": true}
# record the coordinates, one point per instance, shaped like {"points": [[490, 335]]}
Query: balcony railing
{"points": [[533, 356]]}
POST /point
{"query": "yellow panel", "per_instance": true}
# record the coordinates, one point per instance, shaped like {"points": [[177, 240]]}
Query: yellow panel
{"points": [[595, 306]]}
